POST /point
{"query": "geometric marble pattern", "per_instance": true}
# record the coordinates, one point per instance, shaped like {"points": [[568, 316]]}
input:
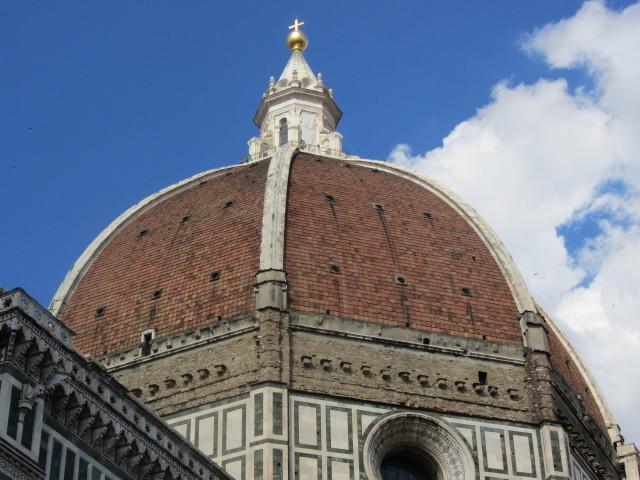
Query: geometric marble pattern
{"points": [[246, 435], [271, 433]]}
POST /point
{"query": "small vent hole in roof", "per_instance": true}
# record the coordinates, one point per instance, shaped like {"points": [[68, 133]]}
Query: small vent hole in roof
{"points": [[400, 280], [329, 198], [466, 291], [334, 268], [375, 170], [185, 218], [214, 276], [428, 216], [319, 160], [100, 311], [203, 182], [156, 293], [378, 207], [347, 165], [228, 204], [142, 233]]}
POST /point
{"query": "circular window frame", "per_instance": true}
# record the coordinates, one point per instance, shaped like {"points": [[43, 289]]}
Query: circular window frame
{"points": [[422, 434]]}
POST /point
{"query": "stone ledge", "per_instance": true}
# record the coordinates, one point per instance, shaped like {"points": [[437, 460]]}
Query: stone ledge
{"points": [[405, 337], [164, 346]]}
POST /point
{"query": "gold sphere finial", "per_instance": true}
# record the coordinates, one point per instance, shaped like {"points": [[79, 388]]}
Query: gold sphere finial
{"points": [[297, 40]]}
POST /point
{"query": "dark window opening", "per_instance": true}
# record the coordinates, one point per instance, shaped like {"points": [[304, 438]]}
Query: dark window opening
{"points": [[7, 302], [83, 470], [56, 458], [428, 216], [408, 465], [14, 413], [482, 378], [27, 427], [70, 465], [283, 132], [147, 338], [426, 341], [44, 448]]}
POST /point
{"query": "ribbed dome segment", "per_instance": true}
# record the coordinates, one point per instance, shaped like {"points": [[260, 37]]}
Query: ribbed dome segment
{"points": [[187, 260], [566, 367], [366, 244]]}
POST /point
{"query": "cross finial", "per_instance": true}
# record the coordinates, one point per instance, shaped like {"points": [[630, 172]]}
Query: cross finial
{"points": [[296, 25]]}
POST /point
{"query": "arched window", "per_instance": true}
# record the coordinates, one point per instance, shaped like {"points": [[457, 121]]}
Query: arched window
{"points": [[407, 466], [284, 132], [264, 150], [413, 446]]}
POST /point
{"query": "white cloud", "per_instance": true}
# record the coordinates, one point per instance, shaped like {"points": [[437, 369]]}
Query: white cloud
{"points": [[540, 156]]}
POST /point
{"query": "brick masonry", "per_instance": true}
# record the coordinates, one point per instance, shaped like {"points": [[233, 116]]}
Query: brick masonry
{"points": [[383, 373], [415, 236], [188, 236], [562, 363]]}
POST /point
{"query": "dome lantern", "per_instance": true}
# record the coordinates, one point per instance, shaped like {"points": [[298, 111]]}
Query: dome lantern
{"points": [[297, 109]]}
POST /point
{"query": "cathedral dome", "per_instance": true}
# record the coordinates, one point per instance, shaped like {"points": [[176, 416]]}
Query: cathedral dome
{"points": [[363, 240], [329, 274]]}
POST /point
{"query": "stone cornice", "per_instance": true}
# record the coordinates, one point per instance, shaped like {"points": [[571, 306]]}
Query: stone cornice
{"points": [[380, 334]]}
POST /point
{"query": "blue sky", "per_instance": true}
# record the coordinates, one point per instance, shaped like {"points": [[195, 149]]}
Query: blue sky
{"points": [[104, 103]]}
